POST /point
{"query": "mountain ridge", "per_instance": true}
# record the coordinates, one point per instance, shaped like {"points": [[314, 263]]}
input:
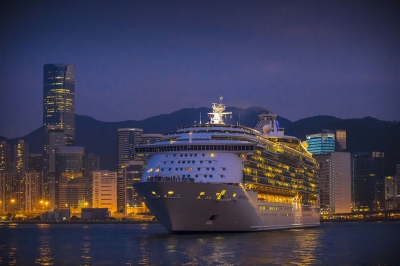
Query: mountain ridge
{"points": [[99, 137]]}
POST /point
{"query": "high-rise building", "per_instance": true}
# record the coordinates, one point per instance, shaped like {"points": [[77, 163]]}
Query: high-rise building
{"points": [[70, 171], [334, 182], [21, 153], [321, 143], [397, 183], [33, 191], [367, 179], [59, 100], [5, 163], [131, 164], [104, 190], [326, 142], [58, 116], [390, 193], [128, 138], [340, 140], [92, 163], [35, 162], [324, 174]]}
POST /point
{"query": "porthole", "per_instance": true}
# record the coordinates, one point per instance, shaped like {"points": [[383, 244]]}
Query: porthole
{"points": [[165, 162], [221, 176], [181, 169], [203, 155], [209, 161], [176, 169], [183, 161], [172, 162], [169, 169], [208, 168], [183, 176], [185, 155], [213, 168], [195, 155], [181, 155], [179, 161], [223, 168], [205, 176], [210, 176], [174, 155], [192, 161], [191, 155], [201, 161], [198, 169], [196, 176]]}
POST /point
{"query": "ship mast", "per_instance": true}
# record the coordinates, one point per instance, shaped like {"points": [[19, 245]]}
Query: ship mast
{"points": [[216, 117]]}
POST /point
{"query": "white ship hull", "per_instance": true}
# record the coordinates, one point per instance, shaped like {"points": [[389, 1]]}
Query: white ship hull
{"points": [[181, 208]]}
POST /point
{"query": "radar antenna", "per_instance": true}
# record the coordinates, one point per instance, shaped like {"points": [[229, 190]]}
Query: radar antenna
{"points": [[216, 117]]}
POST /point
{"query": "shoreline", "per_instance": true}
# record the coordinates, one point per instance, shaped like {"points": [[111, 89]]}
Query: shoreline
{"points": [[157, 222]]}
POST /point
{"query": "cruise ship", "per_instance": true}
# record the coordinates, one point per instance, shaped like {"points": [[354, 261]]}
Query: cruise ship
{"points": [[216, 177]]}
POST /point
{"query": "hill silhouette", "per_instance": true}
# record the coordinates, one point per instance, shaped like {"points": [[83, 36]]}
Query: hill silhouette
{"points": [[98, 137]]}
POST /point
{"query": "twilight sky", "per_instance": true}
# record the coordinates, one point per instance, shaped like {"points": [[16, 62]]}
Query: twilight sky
{"points": [[137, 59]]}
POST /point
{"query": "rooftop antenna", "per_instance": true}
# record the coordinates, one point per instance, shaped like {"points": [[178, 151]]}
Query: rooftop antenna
{"points": [[200, 118]]}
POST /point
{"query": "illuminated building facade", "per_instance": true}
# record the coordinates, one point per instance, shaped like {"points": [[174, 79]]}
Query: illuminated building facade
{"points": [[128, 138], [321, 143], [104, 190], [5, 163], [33, 191], [58, 116], [340, 140], [334, 182], [131, 164], [397, 178], [367, 181], [92, 164], [70, 170], [21, 154], [390, 193]]}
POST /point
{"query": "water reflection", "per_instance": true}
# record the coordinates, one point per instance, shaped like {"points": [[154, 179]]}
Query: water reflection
{"points": [[44, 240], [85, 247]]}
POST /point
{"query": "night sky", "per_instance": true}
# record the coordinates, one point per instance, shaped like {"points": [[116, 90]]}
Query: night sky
{"points": [[137, 59]]}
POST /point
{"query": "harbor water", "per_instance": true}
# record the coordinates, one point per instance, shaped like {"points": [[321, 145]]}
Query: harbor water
{"points": [[346, 243]]}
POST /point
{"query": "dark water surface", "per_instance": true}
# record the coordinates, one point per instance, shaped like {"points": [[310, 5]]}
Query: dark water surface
{"points": [[368, 243]]}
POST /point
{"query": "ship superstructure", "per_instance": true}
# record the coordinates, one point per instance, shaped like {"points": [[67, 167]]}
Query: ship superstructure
{"points": [[220, 177]]}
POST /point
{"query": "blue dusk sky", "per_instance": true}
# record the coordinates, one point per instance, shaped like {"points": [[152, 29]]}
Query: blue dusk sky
{"points": [[137, 59]]}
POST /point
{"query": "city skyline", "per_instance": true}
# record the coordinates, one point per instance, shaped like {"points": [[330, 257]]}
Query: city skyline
{"points": [[297, 59]]}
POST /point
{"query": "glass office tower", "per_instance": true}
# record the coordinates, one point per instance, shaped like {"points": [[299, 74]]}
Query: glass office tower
{"points": [[58, 115]]}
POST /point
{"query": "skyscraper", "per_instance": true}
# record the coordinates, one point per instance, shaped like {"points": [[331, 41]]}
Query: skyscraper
{"points": [[127, 139], [334, 182], [321, 143], [326, 142], [58, 114], [92, 164], [368, 190], [21, 153], [130, 164], [70, 174], [5, 163]]}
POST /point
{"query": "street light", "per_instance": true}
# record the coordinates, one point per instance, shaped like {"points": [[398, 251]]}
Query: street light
{"points": [[46, 203], [41, 204]]}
